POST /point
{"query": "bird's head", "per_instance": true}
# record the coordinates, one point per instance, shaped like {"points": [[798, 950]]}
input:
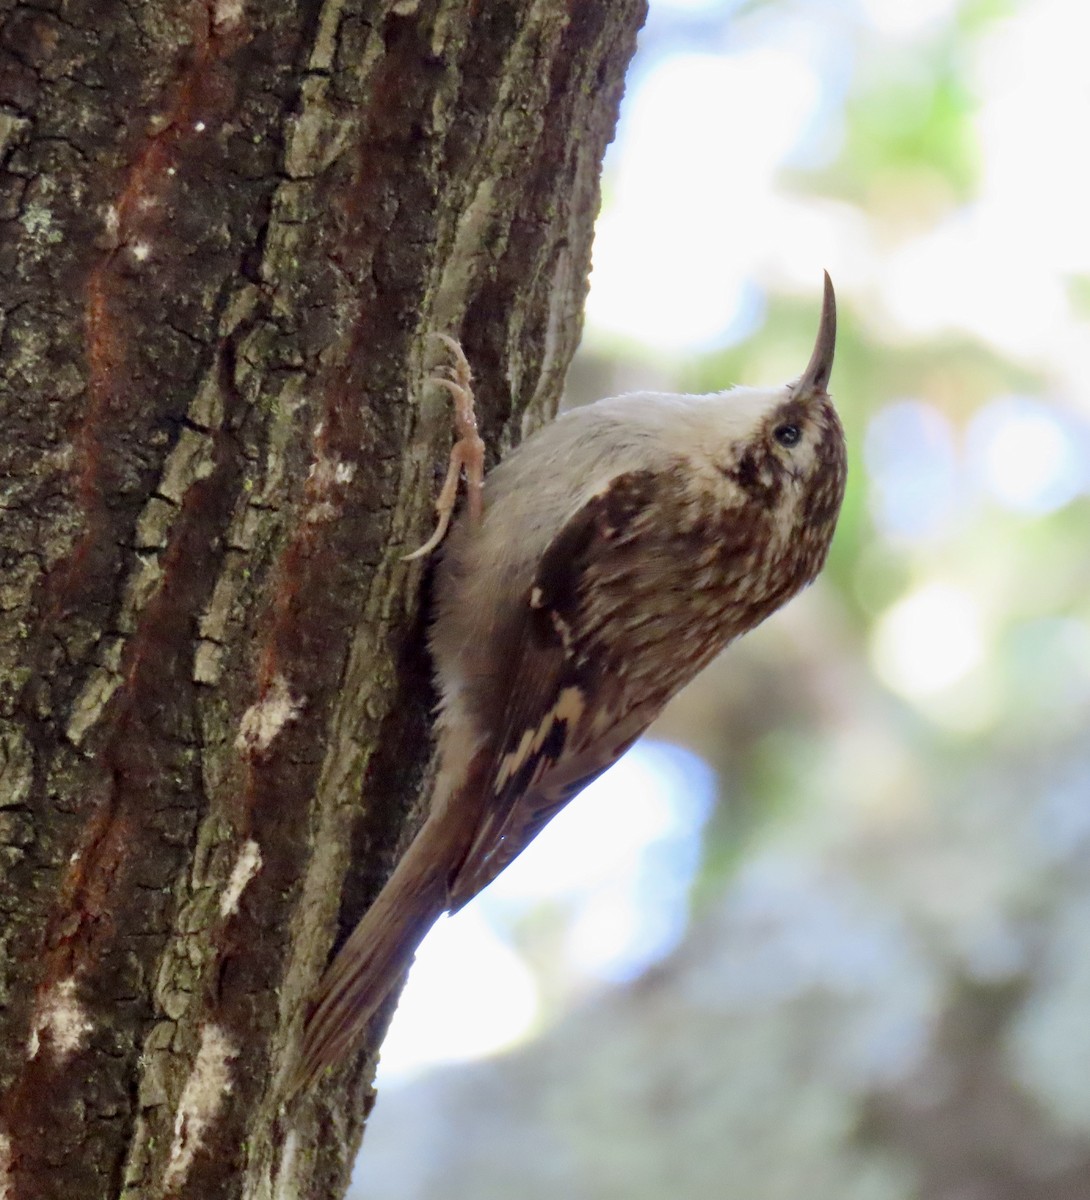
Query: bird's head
{"points": [[784, 448]]}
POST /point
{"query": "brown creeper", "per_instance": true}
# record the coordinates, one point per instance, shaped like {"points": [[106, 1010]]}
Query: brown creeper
{"points": [[616, 552]]}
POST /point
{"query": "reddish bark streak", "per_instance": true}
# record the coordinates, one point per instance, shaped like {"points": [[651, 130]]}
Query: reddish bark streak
{"points": [[340, 301], [140, 211]]}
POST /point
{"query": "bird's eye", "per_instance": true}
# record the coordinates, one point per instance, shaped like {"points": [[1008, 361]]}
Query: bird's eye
{"points": [[787, 435]]}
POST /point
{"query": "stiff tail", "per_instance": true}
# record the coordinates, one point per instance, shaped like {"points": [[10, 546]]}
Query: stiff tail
{"points": [[376, 955], [380, 949]]}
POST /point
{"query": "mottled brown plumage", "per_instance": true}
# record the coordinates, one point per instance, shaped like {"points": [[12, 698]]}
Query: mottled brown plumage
{"points": [[620, 549]]}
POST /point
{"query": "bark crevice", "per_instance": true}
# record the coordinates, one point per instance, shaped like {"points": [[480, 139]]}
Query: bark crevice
{"points": [[226, 232]]}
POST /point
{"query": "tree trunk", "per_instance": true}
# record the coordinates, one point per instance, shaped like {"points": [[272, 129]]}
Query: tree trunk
{"points": [[227, 230]]}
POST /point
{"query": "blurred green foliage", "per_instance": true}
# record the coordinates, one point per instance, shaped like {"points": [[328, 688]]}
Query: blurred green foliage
{"points": [[1005, 549], [902, 754]]}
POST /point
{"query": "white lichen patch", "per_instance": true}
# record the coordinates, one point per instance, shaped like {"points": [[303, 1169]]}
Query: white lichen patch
{"points": [[246, 867], [322, 511], [60, 1020], [325, 475], [327, 472], [227, 14], [262, 721], [202, 1097], [112, 221], [140, 251], [37, 220]]}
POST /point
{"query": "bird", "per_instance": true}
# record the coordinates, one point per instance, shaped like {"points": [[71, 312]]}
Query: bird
{"points": [[590, 575]]}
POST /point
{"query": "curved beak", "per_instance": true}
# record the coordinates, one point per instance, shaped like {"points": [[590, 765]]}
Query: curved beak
{"points": [[814, 381]]}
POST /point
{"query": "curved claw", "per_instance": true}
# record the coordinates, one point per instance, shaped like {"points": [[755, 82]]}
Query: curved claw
{"points": [[432, 542], [460, 360], [467, 451]]}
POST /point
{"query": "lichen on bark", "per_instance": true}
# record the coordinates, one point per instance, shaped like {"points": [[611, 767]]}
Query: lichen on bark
{"points": [[226, 232]]}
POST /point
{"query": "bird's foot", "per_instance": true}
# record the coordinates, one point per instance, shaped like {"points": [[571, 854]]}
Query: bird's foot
{"points": [[467, 453]]}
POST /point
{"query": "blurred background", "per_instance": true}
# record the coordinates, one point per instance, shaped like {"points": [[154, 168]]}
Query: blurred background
{"points": [[826, 932]]}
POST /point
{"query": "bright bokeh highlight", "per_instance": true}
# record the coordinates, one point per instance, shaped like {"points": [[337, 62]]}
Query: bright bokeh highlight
{"points": [[1027, 456], [920, 165], [929, 640], [469, 994], [620, 862], [673, 255]]}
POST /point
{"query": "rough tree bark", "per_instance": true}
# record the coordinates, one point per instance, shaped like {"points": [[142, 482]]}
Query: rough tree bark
{"points": [[226, 229]]}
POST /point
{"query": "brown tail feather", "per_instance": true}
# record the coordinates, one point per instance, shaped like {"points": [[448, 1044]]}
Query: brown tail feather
{"points": [[380, 949], [365, 971]]}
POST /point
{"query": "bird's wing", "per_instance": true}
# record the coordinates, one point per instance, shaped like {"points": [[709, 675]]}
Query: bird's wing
{"points": [[554, 740]]}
